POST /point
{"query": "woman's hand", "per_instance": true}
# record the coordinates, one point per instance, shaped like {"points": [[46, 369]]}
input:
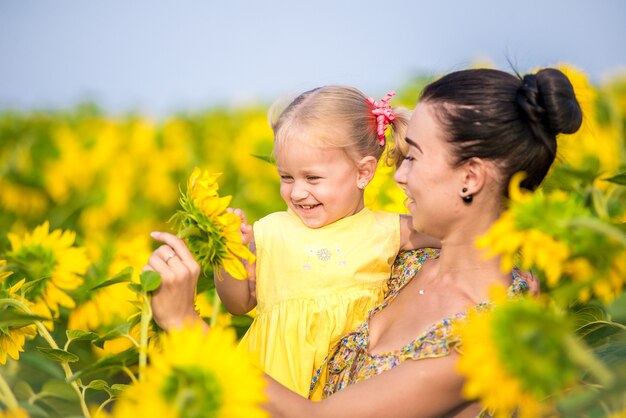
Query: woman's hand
{"points": [[173, 302]]}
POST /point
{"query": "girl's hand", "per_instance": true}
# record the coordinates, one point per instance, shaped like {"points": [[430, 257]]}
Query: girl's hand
{"points": [[247, 234], [239, 296], [173, 302]]}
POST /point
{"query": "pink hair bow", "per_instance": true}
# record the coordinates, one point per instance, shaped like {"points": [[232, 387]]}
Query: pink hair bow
{"points": [[384, 114]]}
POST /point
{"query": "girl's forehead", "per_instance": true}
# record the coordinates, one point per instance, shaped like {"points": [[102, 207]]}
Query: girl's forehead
{"points": [[314, 132], [297, 155]]}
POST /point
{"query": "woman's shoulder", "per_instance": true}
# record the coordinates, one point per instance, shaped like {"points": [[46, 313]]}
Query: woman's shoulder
{"points": [[418, 255], [407, 264]]}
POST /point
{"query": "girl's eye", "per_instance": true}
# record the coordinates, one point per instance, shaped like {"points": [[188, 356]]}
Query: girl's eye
{"points": [[313, 178], [286, 178]]}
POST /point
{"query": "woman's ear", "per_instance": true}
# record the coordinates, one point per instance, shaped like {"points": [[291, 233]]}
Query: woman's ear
{"points": [[366, 168], [476, 173]]}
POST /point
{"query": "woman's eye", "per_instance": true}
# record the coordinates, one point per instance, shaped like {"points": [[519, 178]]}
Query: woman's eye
{"points": [[313, 178], [409, 158]]}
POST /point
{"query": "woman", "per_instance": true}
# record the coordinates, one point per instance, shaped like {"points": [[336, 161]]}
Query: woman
{"points": [[470, 132]]}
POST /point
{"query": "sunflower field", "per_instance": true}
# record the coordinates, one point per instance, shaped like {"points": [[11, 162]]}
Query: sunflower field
{"points": [[81, 191]]}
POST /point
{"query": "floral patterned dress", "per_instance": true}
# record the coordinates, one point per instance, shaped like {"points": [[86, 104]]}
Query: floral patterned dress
{"points": [[349, 360]]}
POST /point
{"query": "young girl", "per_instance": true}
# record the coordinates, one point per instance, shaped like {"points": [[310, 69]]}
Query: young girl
{"points": [[323, 263]]}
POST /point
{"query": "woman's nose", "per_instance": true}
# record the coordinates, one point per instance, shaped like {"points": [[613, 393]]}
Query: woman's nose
{"points": [[400, 175]]}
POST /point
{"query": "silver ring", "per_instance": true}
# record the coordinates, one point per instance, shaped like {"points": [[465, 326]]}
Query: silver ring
{"points": [[169, 257]]}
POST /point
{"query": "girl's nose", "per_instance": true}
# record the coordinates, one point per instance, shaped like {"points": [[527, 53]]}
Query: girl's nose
{"points": [[298, 192]]}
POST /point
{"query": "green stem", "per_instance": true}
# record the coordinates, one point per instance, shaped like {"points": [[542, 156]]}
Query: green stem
{"points": [[132, 340], [130, 374], [8, 396], [611, 324], [35, 397], [146, 316], [43, 331], [216, 308], [584, 357], [101, 407], [599, 226]]}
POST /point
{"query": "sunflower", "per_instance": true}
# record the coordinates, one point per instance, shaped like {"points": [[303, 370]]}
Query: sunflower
{"points": [[14, 413], [51, 265], [196, 374], [12, 339], [557, 234], [205, 306], [523, 352], [22, 200], [211, 232], [535, 247], [113, 304], [620, 414]]}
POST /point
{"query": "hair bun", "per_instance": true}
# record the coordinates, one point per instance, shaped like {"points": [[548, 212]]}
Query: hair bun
{"points": [[548, 97], [529, 99]]}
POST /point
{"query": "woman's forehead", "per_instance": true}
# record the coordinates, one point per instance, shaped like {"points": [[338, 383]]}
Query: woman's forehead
{"points": [[422, 125]]}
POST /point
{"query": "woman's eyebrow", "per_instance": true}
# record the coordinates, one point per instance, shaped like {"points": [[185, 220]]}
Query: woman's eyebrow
{"points": [[413, 143]]}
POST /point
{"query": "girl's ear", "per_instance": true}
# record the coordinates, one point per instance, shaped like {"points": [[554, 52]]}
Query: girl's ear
{"points": [[366, 168]]}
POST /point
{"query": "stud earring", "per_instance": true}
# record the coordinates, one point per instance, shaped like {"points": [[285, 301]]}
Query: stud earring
{"points": [[362, 185], [467, 199]]}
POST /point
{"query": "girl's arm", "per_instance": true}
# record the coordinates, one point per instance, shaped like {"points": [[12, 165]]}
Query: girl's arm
{"points": [[422, 388], [410, 239], [239, 296]]}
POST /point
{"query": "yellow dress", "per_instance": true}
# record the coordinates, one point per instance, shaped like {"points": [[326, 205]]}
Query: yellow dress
{"points": [[315, 285]]}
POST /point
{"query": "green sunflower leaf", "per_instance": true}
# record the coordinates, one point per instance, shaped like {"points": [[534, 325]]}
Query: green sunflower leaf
{"points": [[617, 309], [117, 332], [98, 384], [32, 284], [112, 363], [59, 398], [15, 319], [135, 288], [121, 277], [58, 355], [80, 335], [150, 280], [118, 388], [58, 389], [267, 158], [23, 390], [33, 410], [618, 179]]}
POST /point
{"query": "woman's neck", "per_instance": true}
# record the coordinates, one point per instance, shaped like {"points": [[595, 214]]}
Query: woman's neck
{"points": [[460, 258]]}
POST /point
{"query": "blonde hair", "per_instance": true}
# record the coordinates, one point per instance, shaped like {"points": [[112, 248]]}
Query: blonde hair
{"points": [[335, 116]]}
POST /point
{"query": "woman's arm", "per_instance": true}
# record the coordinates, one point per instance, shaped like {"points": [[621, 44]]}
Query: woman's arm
{"points": [[410, 239], [416, 389], [239, 296]]}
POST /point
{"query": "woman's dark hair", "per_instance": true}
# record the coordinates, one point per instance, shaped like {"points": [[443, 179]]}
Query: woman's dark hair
{"points": [[514, 121]]}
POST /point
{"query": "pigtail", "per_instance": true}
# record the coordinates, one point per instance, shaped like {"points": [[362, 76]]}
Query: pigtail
{"points": [[398, 147]]}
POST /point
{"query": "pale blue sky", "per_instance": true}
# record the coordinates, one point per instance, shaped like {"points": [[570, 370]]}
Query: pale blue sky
{"points": [[158, 57]]}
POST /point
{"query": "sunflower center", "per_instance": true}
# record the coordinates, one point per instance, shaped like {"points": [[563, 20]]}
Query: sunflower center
{"points": [[195, 392], [531, 344], [36, 263]]}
